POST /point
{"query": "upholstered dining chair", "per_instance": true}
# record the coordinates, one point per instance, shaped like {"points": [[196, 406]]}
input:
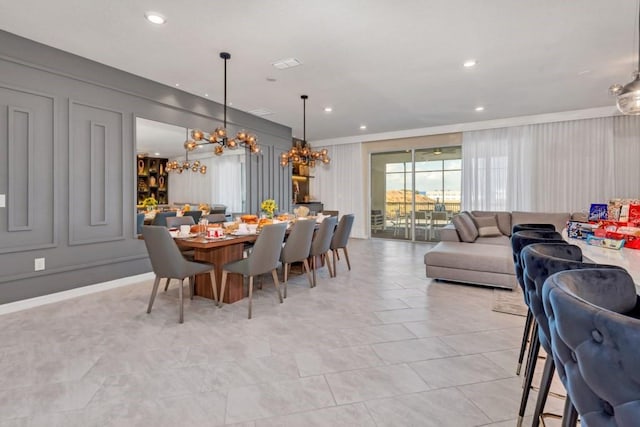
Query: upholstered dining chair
{"points": [[539, 227], [297, 249], [177, 221], [540, 261], [139, 222], [263, 259], [216, 218], [195, 214], [161, 218], [340, 240], [519, 240], [321, 246], [595, 336], [168, 262]]}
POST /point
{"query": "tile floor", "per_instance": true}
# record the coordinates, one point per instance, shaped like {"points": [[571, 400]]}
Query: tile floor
{"points": [[380, 345]]}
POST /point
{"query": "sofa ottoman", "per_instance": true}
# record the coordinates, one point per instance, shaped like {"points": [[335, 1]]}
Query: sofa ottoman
{"points": [[475, 263]]}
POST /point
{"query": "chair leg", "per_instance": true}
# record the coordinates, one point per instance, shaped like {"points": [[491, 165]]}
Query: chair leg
{"points": [[305, 263], [285, 276], [274, 273], [224, 285], [336, 257], [346, 257], [250, 294], [154, 291], [166, 285], [260, 281], [214, 286], [533, 356], [314, 265], [525, 337], [328, 260], [192, 286], [570, 415], [180, 291], [545, 385]]}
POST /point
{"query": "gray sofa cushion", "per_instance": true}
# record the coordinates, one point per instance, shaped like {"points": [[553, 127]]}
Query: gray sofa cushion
{"points": [[487, 226], [503, 218], [477, 257], [557, 219], [465, 227]]}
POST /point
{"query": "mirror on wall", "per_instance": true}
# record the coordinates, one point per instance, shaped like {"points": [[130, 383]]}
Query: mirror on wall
{"points": [[157, 143]]}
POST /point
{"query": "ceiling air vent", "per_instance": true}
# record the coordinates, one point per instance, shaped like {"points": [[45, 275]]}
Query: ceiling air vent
{"points": [[286, 63], [260, 112]]}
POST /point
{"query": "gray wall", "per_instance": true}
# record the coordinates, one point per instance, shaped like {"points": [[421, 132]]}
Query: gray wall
{"points": [[67, 153]]}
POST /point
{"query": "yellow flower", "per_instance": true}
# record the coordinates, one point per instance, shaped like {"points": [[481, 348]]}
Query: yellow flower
{"points": [[149, 201], [186, 207], [269, 206]]}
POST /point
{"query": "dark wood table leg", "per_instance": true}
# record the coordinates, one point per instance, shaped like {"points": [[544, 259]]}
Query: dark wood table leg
{"points": [[219, 257]]}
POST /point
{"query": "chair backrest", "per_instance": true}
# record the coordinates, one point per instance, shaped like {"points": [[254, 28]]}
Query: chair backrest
{"points": [[595, 345], [161, 218], [194, 214], [166, 259], [216, 218], [177, 221], [343, 231], [330, 213], [541, 227], [298, 243], [322, 240], [139, 222], [218, 209], [266, 251], [524, 238], [439, 216]]}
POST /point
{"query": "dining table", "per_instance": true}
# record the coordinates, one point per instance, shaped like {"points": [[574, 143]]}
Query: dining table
{"points": [[218, 251]]}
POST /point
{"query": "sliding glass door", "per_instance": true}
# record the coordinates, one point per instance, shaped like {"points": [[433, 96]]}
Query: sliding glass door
{"points": [[414, 193]]}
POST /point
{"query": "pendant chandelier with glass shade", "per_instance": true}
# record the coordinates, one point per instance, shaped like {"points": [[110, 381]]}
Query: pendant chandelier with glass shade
{"points": [[179, 167], [219, 135], [302, 153], [628, 96]]}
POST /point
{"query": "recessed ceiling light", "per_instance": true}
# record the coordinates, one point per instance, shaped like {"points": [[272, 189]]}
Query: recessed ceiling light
{"points": [[328, 109], [437, 151], [156, 154], [286, 63], [470, 63], [363, 127], [260, 112], [177, 84], [155, 18], [206, 94], [480, 108]]}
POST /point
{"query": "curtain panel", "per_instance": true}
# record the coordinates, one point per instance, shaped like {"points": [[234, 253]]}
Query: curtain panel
{"points": [[551, 167]]}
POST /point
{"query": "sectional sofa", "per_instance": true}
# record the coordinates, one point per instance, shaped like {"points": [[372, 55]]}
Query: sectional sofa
{"points": [[476, 248]]}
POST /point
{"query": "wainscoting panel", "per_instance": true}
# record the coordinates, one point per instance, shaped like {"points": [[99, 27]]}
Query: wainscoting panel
{"points": [[27, 140], [96, 172]]}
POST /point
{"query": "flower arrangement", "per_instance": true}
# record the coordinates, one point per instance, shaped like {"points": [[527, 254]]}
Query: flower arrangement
{"points": [[149, 202], [269, 207], [186, 207]]}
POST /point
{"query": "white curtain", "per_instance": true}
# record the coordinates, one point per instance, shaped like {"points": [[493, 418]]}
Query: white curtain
{"points": [[339, 185], [551, 167], [222, 184]]}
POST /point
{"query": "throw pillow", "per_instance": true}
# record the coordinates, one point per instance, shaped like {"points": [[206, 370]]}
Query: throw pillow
{"points": [[487, 226], [465, 227]]}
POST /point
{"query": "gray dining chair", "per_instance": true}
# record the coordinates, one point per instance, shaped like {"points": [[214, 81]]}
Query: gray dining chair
{"points": [[139, 222], [321, 245], [168, 262], [263, 259], [195, 214], [340, 240], [297, 249], [216, 218], [177, 221], [161, 218]]}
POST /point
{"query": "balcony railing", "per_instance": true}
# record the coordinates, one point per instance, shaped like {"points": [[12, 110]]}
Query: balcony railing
{"points": [[401, 209]]}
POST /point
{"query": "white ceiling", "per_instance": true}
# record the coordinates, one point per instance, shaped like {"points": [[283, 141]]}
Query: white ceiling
{"points": [[391, 65]]}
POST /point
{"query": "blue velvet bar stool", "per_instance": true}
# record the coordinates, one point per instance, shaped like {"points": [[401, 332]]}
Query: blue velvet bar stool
{"points": [[519, 240], [595, 336], [540, 261], [538, 227]]}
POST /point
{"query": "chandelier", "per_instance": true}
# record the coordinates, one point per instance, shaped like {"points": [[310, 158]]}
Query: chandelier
{"points": [[219, 135], [301, 152], [179, 167], [628, 96]]}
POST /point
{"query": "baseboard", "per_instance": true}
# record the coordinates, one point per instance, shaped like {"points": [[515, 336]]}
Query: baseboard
{"points": [[12, 307]]}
